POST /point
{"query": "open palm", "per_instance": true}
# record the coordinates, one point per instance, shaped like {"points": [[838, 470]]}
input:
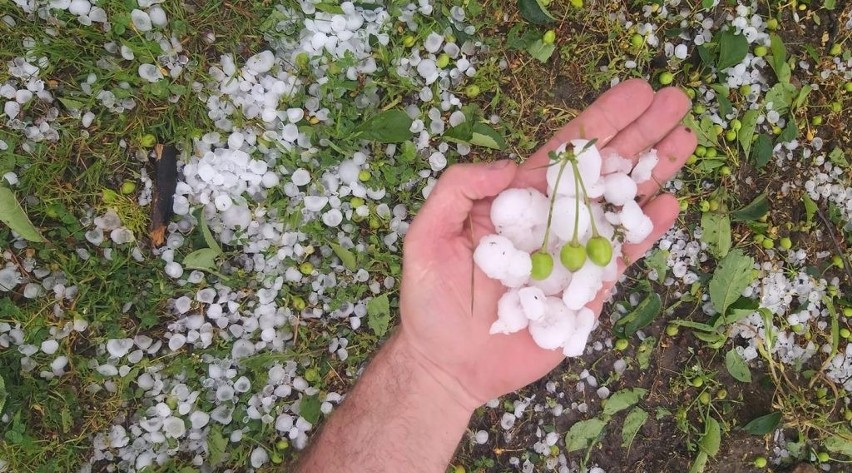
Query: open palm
{"points": [[448, 305]]}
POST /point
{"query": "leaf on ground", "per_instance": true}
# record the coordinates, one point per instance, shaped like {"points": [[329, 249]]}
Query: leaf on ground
{"points": [[207, 234], [541, 50], [217, 445], [535, 12], [762, 151], [3, 394], [764, 424], [790, 132], [840, 443], [583, 434], [700, 463], [712, 438], [756, 209], [810, 207], [731, 277], [657, 260], [632, 423], [378, 314], [779, 58], [484, 135], [733, 48], [781, 96], [716, 232], [202, 260], [346, 257], [740, 309], [746, 134], [13, 215], [837, 157], [390, 126], [642, 315], [309, 408], [622, 400], [737, 366]]}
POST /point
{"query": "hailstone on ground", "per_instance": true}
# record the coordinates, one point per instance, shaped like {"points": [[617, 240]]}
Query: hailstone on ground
{"points": [[589, 199]]}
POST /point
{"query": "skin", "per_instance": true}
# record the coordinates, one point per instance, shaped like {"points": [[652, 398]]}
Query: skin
{"points": [[412, 405]]}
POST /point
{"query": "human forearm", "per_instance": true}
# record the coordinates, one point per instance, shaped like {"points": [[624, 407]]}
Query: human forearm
{"points": [[399, 417]]}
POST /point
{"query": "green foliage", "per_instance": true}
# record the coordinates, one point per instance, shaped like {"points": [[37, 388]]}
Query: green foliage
{"points": [[717, 232], [642, 315], [755, 209], [535, 12], [737, 367], [391, 126], [634, 421], [378, 314], [732, 49], [623, 399], [763, 425], [584, 433], [14, 216], [731, 277]]}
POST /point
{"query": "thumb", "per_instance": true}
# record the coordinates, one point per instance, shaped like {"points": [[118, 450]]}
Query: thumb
{"points": [[447, 207]]}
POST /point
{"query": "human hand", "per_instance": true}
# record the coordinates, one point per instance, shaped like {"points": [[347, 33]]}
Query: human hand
{"points": [[448, 305]]}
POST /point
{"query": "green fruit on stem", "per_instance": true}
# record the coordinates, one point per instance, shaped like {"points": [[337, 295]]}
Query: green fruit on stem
{"points": [[542, 265], [599, 250], [572, 256]]}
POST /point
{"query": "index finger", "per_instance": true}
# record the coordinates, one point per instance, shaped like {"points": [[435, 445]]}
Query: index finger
{"points": [[609, 114]]}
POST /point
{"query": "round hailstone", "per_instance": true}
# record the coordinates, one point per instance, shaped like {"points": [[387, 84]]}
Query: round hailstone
{"points": [[680, 51], [174, 270], [177, 342], [119, 347], [141, 21], [223, 202], [481, 437], [59, 364], [635, 222], [551, 331], [174, 427], [428, 70], [433, 42], [498, 259], [284, 423], [236, 216], [9, 278], [158, 16], [118, 437], [348, 171], [150, 72], [519, 208], [12, 109], [510, 314], [615, 163], [79, 7], [60, 4], [300, 177], [107, 370], [575, 344], [259, 457], [49, 346], [565, 215], [645, 167], [199, 419], [619, 188], [261, 62], [533, 302], [314, 203], [332, 218], [584, 286]]}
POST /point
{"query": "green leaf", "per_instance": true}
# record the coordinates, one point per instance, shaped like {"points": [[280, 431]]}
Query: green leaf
{"points": [[733, 48], [756, 209], [632, 423], [737, 367], [484, 135], [391, 126], [717, 232], [781, 96], [704, 130], [71, 104], [740, 309], [3, 394], [208, 236], [746, 134], [839, 443], [541, 50], [732, 276], [622, 400], [378, 314], [810, 207], [836, 156], [707, 4], [700, 463], [13, 215], [764, 424], [583, 434], [309, 408], [658, 260], [830, 5], [762, 151], [802, 97], [535, 12], [203, 259], [790, 131], [346, 257], [217, 445], [712, 438], [779, 59], [639, 317]]}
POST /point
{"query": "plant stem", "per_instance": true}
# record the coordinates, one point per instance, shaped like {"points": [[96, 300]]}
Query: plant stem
{"points": [[585, 198], [575, 241], [553, 200]]}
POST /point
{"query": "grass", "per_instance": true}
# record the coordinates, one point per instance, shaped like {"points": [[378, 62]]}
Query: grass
{"points": [[677, 361]]}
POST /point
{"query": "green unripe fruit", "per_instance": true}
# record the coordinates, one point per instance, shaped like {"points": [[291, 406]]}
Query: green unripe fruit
{"points": [[356, 202], [768, 243], [147, 140], [306, 268], [572, 256], [836, 49], [549, 37], [704, 398], [443, 61], [697, 382], [823, 457], [711, 153], [718, 129], [408, 41], [847, 87], [836, 107], [700, 150], [683, 205], [299, 303], [731, 135], [725, 170], [690, 92], [621, 344], [699, 109], [786, 243], [282, 444], [276, 458], [714, 205], [302, 60], [637, 40], [837, 261], [772, 24], [599, 250], [722, 394], [745, 89], [472, 91], [375, 223], [576, 3], [459, 469], [364, 175], [542, 265], [672, 330], [847, 311], [845, 332], [760, 462], [128, 187], [736, 124], [312, 375], [760, 51], [705, 206], [666, 78], [817, 120]]}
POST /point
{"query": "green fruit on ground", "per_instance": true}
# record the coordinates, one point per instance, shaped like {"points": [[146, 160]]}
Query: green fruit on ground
{"points": [[364, 175], [572, 256], [576, 3], [736, 124], [549, 37], [704, 398], [786, 243], [128, 187], [408, 41], [306, 268], [472, 91], [760, 51], [637, 40], [836, 49], [731, 135], [760, 462], [443, 61], [542, 265], [697, 382], [768, 243], [823, 457], [147, 140], [722, 394], [772, 24], [847, 87], [672, 330], [621, 344], [282, 444], [666, 78], [845, 332], [599, 250], [302, 60]]}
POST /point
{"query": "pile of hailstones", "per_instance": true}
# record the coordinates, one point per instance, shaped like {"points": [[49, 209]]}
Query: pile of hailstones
{"points": [[588, 213]]}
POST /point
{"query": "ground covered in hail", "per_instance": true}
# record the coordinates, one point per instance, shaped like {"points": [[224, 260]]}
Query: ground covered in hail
{"points": [[203, 204]]}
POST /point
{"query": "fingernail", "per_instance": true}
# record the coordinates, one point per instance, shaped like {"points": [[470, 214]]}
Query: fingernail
{"points": [[500, 164]]}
